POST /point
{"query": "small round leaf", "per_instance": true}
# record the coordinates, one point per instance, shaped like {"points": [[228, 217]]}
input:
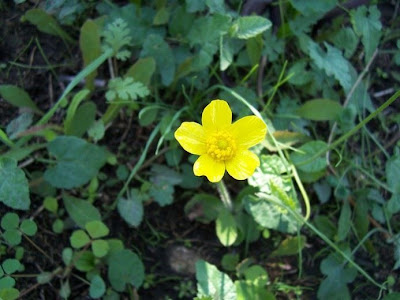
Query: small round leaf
{"points": [[58, 226], [67, 254], [79, 238], [51, 204], [97, 229], [6, 283], [97, 287], [10, 221], [100, 248], [28, 227], [12, 236], [11, 265]]}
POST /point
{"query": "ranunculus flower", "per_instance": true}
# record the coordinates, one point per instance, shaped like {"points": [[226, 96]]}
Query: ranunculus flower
{"points": [[221, 144]]}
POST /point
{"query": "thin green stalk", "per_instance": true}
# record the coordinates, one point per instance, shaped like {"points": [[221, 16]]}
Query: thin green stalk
{"points": [[224, 195], [352, 131], [137, 166]]}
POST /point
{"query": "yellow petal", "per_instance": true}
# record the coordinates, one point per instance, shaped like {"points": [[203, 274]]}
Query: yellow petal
{"points": [[216, 115], [192, 137], [206, 165], [243, 165], [248, 131]]}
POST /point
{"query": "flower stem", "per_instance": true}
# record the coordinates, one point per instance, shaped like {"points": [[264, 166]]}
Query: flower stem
{"points": [[224, 195]]}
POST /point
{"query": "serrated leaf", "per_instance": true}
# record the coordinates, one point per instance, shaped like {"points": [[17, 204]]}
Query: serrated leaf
{"points": [[226, 229], [77, 162], [117, 35], [126, 89], [320, 110], [249, 26], [131, 209], [332, 62], [97, 229], [81, 211], [155, 46], [14, 190], [97, 287], [366, 23], [46, 23], [346, 40], [125, 267], [18, 97], [213, 283]]}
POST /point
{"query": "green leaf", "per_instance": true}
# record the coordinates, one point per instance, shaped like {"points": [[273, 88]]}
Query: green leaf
{"points": [[85, 261], [18, 97], [226, 52], [161, 16], [195, 5], [125, 267], [246, 290], [46, 23], [81, 211], [208, 29], [6, 282], [28, 227], [256, 275], [290, 246], [97, 287], [163, 180], [346, 40], [344, 224], [100, 248], [229, 261], [89, 43], [155, 46], [51, 204], [44, 277], [131, 209], [366, 23], [11, 265], [203, 208], [249, 26], [116, 36], [142, 70], [19, 124], [72, 108], [97, 229], [65, 290], [97, 130], [9, 293], [67, 255], [10, 221], [12, 236], [148, 114], [79, 238], [332, 62], [393, 173], [320, 110], [226, 228], [305, 152], [309, 8], [213, 283], [300, 76], [77, 162], [14, 189], [125, 89]]}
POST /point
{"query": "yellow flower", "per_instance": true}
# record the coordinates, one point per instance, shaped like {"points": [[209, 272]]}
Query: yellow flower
{"points": [[221, 144]]}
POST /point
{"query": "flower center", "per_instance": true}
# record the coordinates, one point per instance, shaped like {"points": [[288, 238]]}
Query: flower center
{"points": [[221, 146]]}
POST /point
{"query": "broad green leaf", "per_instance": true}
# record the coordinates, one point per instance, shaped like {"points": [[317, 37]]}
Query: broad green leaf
{"points": [[131, 209], [14, 189], [257, 275], [77, 162], [309, 8], [148, 114], [249, 26], [213, 283], [338, 275], [89, 43], [97, 287], [155, 46], [225, 53], [142, 70], [10, 265], [346, 40], [46, 23], [83, 119], [163, 181], [254, 47], [299, 75], [100, 248], [367, 24], [76, 101], [331, 61], [125, 267], [28, 227], [208, 29], [195, 5], [96, 229], [79, 238], [182, 21], [81, 211], [305, 152], [393, 173], [10, 221], [229, 261], [290, 246], [320, 110], [18, 97], [245, 290], [225, 227], [161, 16]]}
